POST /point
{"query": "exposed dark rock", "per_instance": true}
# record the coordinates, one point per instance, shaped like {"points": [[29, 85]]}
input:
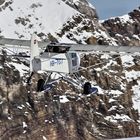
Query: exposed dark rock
{"points": [[125, 32], [4, 5], [83, 7], [2, 1], [27, 114]]}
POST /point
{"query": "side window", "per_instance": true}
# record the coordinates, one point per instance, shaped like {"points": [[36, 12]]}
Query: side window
{"points": [[74, 59]]}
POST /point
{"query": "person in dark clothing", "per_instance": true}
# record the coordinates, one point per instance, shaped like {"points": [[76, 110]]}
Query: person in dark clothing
{"points": [[40, 85]]}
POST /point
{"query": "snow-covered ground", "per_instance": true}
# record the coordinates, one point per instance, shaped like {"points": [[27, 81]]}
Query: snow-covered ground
{"points": [[135, 138], [22, 18], [46, 16], [124, 19], [127, 61], [136, 96]]}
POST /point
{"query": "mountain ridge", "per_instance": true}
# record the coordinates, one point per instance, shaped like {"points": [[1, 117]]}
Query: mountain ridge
{"points": [[126, 27], [64, 112]]}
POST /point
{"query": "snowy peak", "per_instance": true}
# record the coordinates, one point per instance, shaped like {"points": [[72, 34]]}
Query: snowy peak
{"points": [[83, 30], [83, 6], [25, 17], [72, 21], [125, 29]]}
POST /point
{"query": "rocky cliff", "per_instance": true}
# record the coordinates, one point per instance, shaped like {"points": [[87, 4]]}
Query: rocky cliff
{"points": [[65, 113], [84, 7], [125, 29]]}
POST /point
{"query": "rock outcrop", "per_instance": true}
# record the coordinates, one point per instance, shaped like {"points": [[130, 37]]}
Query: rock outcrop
{"points": [[84, 7], [125, 29], [64, 112]]}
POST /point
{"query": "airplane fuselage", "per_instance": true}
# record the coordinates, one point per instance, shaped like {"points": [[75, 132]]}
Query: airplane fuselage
{"points": [[57, 62]]}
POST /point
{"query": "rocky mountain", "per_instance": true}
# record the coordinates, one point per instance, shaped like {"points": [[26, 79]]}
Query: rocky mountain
{"points": [[71, 26], [65, 113], [125, 29], [23, 18], [84, 7]]}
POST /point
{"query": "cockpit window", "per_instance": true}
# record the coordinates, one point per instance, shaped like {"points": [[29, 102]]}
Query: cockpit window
{"points": [[73, 55], [57, 48]]}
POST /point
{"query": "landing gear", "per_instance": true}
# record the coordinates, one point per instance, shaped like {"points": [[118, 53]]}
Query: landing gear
{"points": [[40, 85], [29, 79], [88, 89], [47, 85]]}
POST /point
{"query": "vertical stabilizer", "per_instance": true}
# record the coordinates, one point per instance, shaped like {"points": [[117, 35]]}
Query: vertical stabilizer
{"points": [[34, 50]]}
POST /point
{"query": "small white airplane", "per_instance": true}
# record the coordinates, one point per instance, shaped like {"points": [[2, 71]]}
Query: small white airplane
{"points": [[60, 58]]}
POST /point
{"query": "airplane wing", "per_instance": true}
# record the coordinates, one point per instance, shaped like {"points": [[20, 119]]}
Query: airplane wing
{"points": [[8, 41], [72, 47], [104, 48], [19, 42]]}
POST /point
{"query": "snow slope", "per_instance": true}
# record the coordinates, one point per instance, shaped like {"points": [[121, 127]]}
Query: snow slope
{"points": [[127, 61], [50, 18], [45, 16], [136, 138]]}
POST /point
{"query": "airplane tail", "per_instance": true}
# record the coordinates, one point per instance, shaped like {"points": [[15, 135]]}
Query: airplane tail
{"points": [[34, 50]]}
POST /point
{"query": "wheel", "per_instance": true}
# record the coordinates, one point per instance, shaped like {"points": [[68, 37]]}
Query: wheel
{"points": [[87, 88], [40, 85]]}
